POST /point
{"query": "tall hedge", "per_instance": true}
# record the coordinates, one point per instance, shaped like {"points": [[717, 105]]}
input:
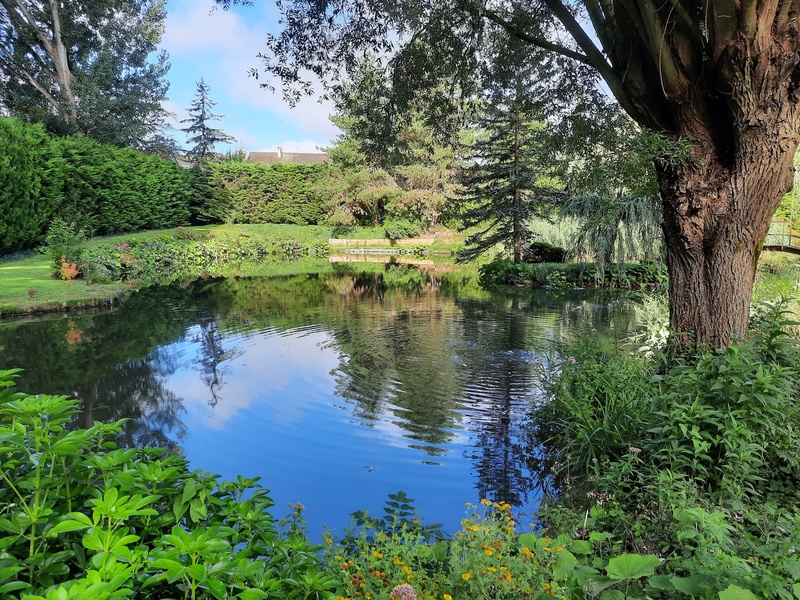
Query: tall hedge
{"points": [[256, 193], [103, 189], [27, 198], [110, 190]]}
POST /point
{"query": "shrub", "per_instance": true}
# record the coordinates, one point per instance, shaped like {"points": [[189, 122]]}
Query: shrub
{"points": [[254, 193], [81, 518], [399, 229], [112, 190], [542, 252], [64, 241]]}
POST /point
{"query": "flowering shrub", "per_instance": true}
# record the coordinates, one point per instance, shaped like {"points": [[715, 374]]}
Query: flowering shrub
{"points": [[488, 558]]}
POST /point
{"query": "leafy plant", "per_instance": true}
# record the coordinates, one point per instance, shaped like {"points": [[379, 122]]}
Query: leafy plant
{"points": [[83, 519]]}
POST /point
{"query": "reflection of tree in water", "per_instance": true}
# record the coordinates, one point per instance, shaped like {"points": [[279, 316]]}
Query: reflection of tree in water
{"points": [[134, 390], [499, 398], [393, 358], [212, 354]]}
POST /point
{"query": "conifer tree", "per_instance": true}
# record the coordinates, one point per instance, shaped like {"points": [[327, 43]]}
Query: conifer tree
{"points": [[507, 178], [199, 133]]}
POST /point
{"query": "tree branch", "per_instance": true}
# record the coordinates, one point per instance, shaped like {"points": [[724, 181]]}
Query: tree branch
{"points": [[13, 66], [593, 54], [536, 41], [29, 21]]}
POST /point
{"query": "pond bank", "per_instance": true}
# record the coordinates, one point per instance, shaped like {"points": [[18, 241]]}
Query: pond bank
{"points": [[111, 268]]}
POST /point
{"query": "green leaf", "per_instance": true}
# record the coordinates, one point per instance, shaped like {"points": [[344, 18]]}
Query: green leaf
{"points": [[189, 490], [92, 542], [528, 540], [632, 566], [734, 592], [217, 588], [580, 547], [565, 566], [197, 572], [66, 526], [692, 586]]}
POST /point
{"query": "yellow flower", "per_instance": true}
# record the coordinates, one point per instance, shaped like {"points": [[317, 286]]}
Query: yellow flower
{"points": [[548, 549], [445, 597], [546, 586], [377, 554], [407, 570], [466, 576], [527, 551], [486, 502], [489, 551], [492, 569], [559, 548], [397, 560]]}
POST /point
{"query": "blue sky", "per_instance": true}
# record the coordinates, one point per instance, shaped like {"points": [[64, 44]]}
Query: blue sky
{"points": [[221, 47]]}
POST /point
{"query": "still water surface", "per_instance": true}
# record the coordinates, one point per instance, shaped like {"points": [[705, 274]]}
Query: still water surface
{"points": [[336, 388]]}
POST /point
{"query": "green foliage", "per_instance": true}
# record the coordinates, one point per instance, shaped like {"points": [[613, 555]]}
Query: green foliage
{"points": [[203, 136], [397, 229], [503, 271], [255, 193], [97, 69], [81, 518], [207, 203], [64, 241], [695, 461], [542, 252], [27, 199], [111, 190]]}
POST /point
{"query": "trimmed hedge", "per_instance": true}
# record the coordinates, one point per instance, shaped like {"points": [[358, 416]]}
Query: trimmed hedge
{"points": [[27, 201], [109, 190], [255, 193], [102, 189]]}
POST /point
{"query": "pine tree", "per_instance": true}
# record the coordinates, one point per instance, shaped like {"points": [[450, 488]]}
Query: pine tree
{"points": [[200, 134], [508, 178]]}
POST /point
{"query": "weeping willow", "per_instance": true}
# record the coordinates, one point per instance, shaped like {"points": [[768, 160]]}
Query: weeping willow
{"points": [[615, 228]]}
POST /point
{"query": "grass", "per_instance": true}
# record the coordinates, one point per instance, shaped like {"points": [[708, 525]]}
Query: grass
{"points": [[27, 285]]}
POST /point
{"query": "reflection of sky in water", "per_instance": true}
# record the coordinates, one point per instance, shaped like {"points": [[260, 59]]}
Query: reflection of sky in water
{"points": [[335, 397], [277, 418]]}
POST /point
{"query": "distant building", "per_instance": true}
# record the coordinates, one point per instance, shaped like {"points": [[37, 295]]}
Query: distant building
{"points": [[281, 157]]}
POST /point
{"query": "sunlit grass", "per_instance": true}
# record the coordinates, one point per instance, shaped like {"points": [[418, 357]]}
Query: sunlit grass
{"points": [[27, 285]]}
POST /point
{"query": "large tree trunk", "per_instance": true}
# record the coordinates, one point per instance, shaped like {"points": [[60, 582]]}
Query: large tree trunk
{"points": [[715, 220]]}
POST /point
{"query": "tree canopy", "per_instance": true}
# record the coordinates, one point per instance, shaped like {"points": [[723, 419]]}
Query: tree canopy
{"points": [[90, 67]]}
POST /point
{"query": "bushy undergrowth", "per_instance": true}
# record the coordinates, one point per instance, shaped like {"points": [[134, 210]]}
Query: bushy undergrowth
{"points": [[695, 460], [83, 519], [143, 261], [503, 271]]}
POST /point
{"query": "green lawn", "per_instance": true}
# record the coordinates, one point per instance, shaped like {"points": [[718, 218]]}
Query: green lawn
{"points": [[27, 285]]}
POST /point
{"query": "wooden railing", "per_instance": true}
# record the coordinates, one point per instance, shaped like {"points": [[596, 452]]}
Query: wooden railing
{"points": [[783, 236]]}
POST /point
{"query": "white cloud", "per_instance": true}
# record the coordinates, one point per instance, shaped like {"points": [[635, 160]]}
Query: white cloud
{"points": [[222, 48]]}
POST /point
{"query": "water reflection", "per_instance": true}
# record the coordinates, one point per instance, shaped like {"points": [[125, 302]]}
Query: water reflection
{"points": [[337, 388]]}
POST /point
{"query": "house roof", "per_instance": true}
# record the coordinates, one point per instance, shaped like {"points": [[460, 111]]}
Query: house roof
{"points": [[272, 158]]}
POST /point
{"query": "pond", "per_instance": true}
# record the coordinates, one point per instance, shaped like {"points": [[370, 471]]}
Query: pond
{"points": [[337, 387]]}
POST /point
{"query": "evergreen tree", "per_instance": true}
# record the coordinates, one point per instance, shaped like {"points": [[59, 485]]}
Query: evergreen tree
{"points": [[200, 134], [508, 177]]}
